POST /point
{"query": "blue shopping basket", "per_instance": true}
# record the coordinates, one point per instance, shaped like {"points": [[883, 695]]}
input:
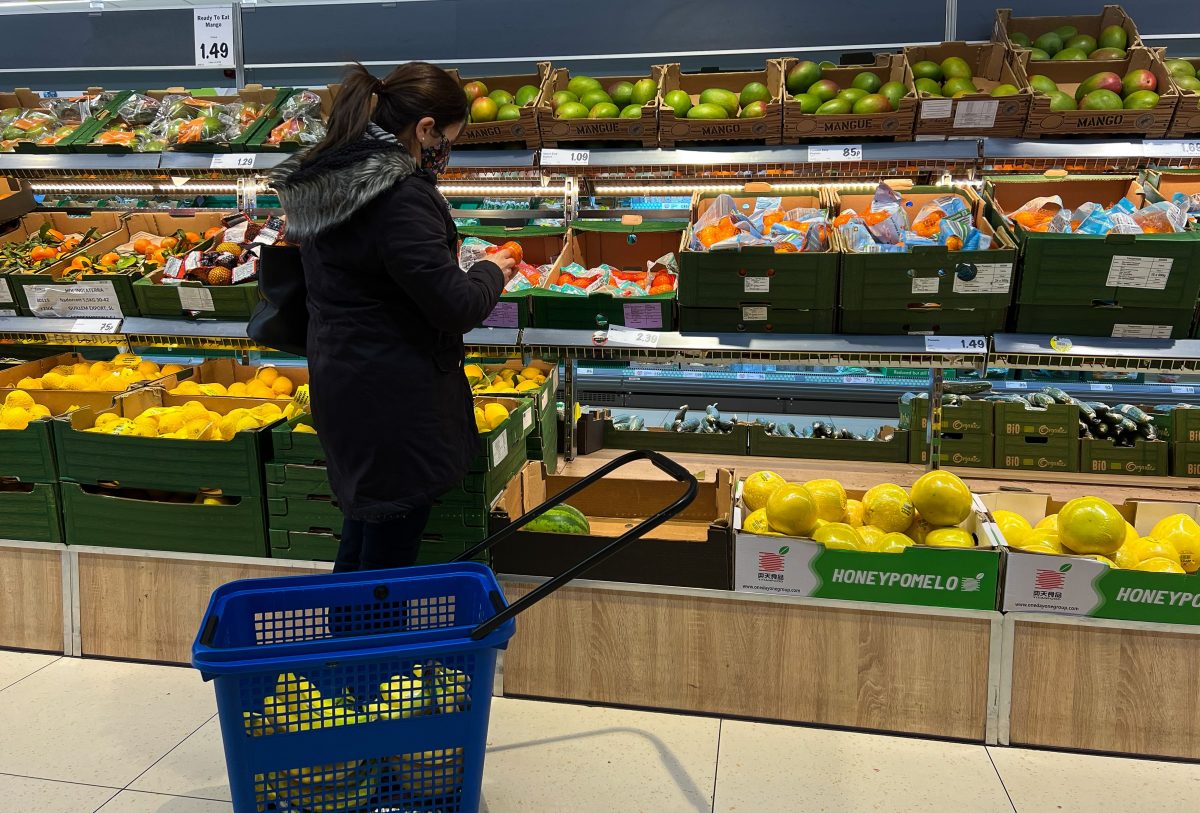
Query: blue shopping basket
{"points": [[370, 692]]}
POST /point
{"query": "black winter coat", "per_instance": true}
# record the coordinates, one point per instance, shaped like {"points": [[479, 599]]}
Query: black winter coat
{"points": [[388, 306]]}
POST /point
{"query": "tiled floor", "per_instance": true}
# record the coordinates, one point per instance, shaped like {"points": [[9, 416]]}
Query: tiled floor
{"points": [[83, 736]]}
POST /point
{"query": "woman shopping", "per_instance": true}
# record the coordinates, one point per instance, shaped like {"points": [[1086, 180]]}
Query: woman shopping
{"points": [[388, 305]]}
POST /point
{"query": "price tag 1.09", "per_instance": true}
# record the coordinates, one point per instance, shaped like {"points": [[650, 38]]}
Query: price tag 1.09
{"points": [[834, 152], [566, 158]]}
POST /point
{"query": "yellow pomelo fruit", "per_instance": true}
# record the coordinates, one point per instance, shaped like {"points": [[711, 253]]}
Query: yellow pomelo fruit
{"points": [[19, 398], [1188, 547], [1147, 548], [830, 497], [54, 381], [792, 510], [147, 368], [244, 424], [949, 538], [888, 508], [495, 414], [80, 368], [526, 385], [1040, 537], [237, 389], [1173, 524], [28, 383], [891, 543], [39, 411], [282, 385], [942, 498], [840, 536], [758, 488], [918, 528], [531, 373], [216, 388], [1131, 534], [1104, 560], [1126, 557], [304, 429], [756, 523], [1158, 564], [266, 375], [77, 381], [1050, 522], [871, 535], [1013, 527], [1090, 525], [1046, 549], [854, 513], [481, 423]]}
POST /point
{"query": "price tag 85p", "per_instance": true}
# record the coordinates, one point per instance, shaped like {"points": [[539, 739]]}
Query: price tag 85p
{"points": [[835, 152]]}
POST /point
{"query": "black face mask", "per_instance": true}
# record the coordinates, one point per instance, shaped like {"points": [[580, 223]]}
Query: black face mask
{"points": [[436, 158]]}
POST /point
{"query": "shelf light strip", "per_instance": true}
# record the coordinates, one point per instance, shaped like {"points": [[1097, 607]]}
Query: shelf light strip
{"points": [[688, 188], [204, 187], [515, 191]]}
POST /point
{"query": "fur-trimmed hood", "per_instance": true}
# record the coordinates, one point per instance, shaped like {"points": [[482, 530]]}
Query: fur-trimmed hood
{"points": [[328, 190]]}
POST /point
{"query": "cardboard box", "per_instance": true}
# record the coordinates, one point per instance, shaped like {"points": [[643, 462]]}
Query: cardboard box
{"points": [[226, 372], [1186, 123], [1006, 24], [894, 450], [966, 578], [1068, 75], [556, 132], [895, 125], [674, 131], [1072, 585], [690, 550], [627, 246], [16, 199], [977, 114], [1159, 185], [104, 223], [522, 131]]}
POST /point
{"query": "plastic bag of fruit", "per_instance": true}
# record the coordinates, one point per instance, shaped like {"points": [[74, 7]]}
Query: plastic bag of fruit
{"points": [[29, 125], [138, 109], [304, 130], [238, 117]]}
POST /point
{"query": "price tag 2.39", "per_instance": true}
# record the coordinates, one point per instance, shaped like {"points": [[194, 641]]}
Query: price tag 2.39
{"points": [[621, 336], [233, 160], [566, 158], [834, 152], [213, 36], [956, 344]]}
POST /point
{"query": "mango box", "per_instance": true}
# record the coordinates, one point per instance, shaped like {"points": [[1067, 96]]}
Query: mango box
{"points": [[227, 372], [556, 132], [1072, 585], [896, 125], [767, 129], [965, 578], [689, 550], [1187, 116], [1005, 25], [523, 129], [979, 113]]}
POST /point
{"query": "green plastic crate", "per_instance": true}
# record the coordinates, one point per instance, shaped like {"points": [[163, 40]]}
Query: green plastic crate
{"points": [[664, 440], [287, 446], [755, 319], [891, 451], [290, 480], [302, 514], [1037, 439], [30, 513], [119, 522], [933, 321], [1148, 458], [122, 286], [312, 547], [27, 455], [229, 302], [968, 432], [1185, 459], [1122, 322]]}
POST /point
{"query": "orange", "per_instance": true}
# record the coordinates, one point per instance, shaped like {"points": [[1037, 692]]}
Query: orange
{"points": [[213, 231], [54, 234], [168, 243], [191, 237], [142, 245], [111, 258]]}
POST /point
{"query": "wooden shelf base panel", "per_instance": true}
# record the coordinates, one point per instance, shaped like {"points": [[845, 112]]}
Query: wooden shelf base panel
{"points": [[697, 651], [32, 597], [1114, 687]]}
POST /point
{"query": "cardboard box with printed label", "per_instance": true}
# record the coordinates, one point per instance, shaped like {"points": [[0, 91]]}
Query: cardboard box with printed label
{"points": [[556, 132], [766, 129], [977, 114], [1073, 585], [523, 130], [890, 125], [92, 227], [965, 578]]}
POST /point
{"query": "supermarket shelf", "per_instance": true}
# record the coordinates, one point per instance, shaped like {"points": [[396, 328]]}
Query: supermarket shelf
{"points": [[493, 159], [200, 160], [1099, 354], [1037, 148], [492, 341]]}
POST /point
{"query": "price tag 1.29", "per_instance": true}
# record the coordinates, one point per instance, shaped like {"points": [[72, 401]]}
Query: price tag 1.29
{"points": [[834, 152], [566, 158], [233, 160], [956, 344], [213, 36]]}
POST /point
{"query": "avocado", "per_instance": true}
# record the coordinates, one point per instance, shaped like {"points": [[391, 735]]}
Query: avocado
{"points": [[1141, 100], [580, 85], [825, 89], [644, 90], [632, 111], [927, 69], [1049, 42], [604, 110], [754, 92], [571, 110], [929, 86], [708, 110], [874, 103], [525, 95], [833, 107], [725, 98], [867, 81], [851, 95], [679, 101], [1113, 36], [1042, 84], [1084, 42], [1004, 90], [1060, 101], [1070, 55], [754, 110], [893, 92], [802, 75], [808, 102], [1100, 100]]}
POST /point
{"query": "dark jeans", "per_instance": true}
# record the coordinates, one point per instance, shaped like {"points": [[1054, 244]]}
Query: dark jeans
{"points": [[381, 545]]}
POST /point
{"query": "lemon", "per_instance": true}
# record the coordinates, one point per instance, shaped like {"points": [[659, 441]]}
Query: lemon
{"points": [[871, 535], [531, 373], [28, 383], [257, 389], [76, 381], [830, 497], [1148, 548], [1104, 560], [237, 389], [792, 510], [758, 488], [473, 372], [854, 513], [1013, 527], [1158, 564], [1090, 525], [266, 375], [39, 411], [213, 389], [14, 418], [527, 385], [1131, 534], [888, 508], [949, 538], [495, 414], [19, 398], [839, 536], [756, 522], [54, 381], [1040, 537], [942, 498], [246, 424], [891, 543], [105, 418], [1050, 522]]}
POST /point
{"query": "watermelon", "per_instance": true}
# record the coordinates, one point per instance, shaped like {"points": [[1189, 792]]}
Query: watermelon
{"points": [[561, 519]]}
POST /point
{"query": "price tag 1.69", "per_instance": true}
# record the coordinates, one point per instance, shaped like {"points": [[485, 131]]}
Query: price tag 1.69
{"points": [[1171, 149], [835, 152], [956, 344]]}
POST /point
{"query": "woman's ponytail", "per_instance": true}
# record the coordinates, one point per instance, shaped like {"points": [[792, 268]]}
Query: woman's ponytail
{"points": [[409, 93]]}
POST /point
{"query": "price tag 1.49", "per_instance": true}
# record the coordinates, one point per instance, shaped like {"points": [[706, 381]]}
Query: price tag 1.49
{"points": [[233, 160], [566, 158], [834, 152], [213, 36], [956, 344]]}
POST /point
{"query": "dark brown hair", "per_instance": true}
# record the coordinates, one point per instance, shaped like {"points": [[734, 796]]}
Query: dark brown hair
{"points": [[405, 96]]}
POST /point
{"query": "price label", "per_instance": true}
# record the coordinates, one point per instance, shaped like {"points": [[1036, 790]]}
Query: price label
{"points": [[500, 447], [233, 160], [621, 336], [976, 115], [6, 297], [833, 152], [213, 36], [751, 376], [1098, 387], [691, 374], [1127, 331], [925, 285], [92, 326], [194, 298], [754, 313], [1171, 149], [566, 158], [1151, 273], [1016, 385], [527, 419], [956, 344], [1180, 389], [756, 285], [505, 314], [937, 108]]}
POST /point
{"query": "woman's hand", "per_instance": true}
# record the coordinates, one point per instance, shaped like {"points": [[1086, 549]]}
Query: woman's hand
{"points": [[507, 263]]}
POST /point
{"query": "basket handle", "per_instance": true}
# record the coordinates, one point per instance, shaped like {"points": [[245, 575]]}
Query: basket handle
{"points": [[661, 462]]}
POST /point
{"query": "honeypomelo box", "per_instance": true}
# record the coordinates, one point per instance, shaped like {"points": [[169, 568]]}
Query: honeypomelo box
{"points": [[964, 578], [1072, 585]]}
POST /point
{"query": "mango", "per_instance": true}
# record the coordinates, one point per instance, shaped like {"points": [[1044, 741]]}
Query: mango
{"points": [[1113, 36], [1100, 100], [867, 81], [1141, 100], [802, 75], [1070, 55], [724, 98], [825, 89], [1042, 84], [1105, 80], [834, 107], [706, 110], [874, 103], [1049, 42]]}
